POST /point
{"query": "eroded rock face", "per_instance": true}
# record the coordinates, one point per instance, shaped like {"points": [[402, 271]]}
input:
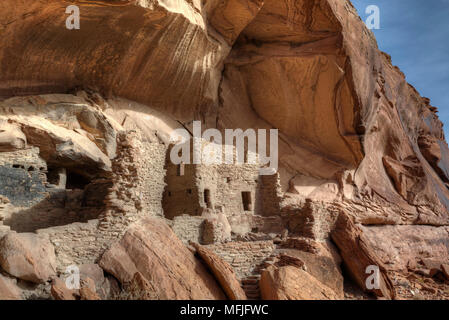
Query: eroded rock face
{"points": [[292, 283], [351, 111], [358, 255], [173, 272], [65, 128], [403, 247], [321, 267]]}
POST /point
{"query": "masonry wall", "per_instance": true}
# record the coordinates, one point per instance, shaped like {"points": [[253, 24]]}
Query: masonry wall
{"points": [[137, 184], [187, 228], [182, 195], [229, 181], [244, 257], [22, 176], [269, 195]]}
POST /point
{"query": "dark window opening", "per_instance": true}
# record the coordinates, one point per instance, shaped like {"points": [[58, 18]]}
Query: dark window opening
{"points": [[189, 191], [76, 181], [18, 166], [207, 198], [169, 193], [53, 176], [246, 200], [228, 180], [31, 169]]}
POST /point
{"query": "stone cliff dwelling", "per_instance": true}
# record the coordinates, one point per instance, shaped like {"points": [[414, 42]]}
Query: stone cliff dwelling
{"points": [[86, 179], [194, 188]]}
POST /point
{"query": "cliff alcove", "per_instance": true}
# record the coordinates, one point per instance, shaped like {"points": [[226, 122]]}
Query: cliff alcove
{"points": [[86, 117]]}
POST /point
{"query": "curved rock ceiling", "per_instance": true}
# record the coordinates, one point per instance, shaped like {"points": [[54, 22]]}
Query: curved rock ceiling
{"points": [[310, 68]]}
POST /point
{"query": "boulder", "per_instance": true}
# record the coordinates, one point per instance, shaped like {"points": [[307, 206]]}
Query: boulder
{"points": [[87, 293], [151, 248], [357, 255], [292, 283], [59, 290], [27, 257], [8, 289], [138, 289], [93, 272], [323, 268], [223, 272]]}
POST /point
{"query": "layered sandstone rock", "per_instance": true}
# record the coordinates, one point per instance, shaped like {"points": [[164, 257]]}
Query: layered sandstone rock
{"points": [[351, 98], [358, 256]]}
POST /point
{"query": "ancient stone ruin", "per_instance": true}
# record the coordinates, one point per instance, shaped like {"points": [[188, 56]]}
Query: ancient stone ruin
{"points": [[87, 183]]}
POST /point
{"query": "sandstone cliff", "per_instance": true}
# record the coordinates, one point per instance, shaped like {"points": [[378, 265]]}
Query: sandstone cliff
{"points": [[85, 119]]}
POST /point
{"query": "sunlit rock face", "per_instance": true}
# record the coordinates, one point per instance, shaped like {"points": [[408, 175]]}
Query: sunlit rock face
{"points": [[354, 136]]}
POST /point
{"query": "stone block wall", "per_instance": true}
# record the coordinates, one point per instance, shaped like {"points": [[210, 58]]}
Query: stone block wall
{"points": [[188, 228], [231, 181], [269, 195], [311, 220], [22, 176], [181, 196], [137, 185], [244, 257]]}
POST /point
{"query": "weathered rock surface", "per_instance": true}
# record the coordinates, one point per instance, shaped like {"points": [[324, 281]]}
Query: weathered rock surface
{"points": [[8, 289], [352, 111], [358, 255], [152, 249], [321, 267], [59, 290], [403, 247], [66, 129], [292, 283], [27, 257], [223, 272]]}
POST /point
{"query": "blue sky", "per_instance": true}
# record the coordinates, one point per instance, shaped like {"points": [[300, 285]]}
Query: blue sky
{"points": [[416, 35]]}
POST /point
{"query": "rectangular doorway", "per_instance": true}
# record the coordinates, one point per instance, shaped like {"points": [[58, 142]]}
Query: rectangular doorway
{"points": [[247, 201]]}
